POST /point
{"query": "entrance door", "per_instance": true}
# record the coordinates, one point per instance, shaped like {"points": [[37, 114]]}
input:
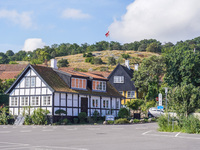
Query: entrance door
{"points": [[84, 105]]}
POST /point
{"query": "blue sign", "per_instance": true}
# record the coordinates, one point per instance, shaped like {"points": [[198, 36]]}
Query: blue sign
{"points": [[160, 107], [110, 118]]}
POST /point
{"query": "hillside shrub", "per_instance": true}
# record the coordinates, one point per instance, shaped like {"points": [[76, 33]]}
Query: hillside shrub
{"points": [[122, 121], [111, 61], [63, 63], [97, 61], [123, 113]]}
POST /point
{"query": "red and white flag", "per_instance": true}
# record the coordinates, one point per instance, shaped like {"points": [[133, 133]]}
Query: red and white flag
{"points": [[107, 34]]}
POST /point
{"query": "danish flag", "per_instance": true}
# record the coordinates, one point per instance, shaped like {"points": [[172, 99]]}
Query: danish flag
{"points": [[107, 34]]}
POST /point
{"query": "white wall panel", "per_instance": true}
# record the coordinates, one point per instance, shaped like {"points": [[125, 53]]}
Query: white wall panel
{"points": [[50, 110], [27, 91], [15, 111], [44, 91], [28, 73], [16, 91], [11, 111], [43, 85], [22, 91], [12, 93], [63, 95], [31, 111], [32, 92], [32, 73], [49, 91], [38, 91], [22, 83], [113, 103], [75, 96], [75, 102], [38, 82]]}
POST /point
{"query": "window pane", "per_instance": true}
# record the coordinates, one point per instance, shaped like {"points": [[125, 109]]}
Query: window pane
{"points": [[32, 81], [27, 82], [73, 82], [76, 83]]}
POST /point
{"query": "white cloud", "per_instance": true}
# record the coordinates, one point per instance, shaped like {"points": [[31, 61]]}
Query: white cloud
{"points": [[71, 13], [164, 20], [32, 44], [23, 19]]}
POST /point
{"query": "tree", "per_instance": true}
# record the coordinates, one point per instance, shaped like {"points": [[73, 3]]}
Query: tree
{"points": [[3, 58], [184, 99], [111, 61], [97, 61], [182, 67], [154, 47], [63, 63], [4, 85], [10, 53], [134, 104], [4, 115], [148, 76]]}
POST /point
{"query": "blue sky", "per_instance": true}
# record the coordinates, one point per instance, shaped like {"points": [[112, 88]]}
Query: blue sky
{"points": [[46, 20], [28, 25]]}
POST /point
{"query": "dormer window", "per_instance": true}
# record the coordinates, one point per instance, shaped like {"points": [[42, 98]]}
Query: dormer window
{"points": [[99, 85], [118, 79], [78, 83]]}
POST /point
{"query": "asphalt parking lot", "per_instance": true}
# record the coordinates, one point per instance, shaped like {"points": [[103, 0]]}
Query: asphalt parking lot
{"points": [[95, 137]]}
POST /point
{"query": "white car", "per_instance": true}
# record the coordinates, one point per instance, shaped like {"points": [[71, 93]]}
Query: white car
{"points": [[154, 112]]}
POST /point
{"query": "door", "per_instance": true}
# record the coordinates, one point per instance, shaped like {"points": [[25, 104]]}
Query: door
{"points": [[84, 105]]}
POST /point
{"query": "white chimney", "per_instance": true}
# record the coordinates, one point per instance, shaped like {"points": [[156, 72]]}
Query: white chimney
{"points": [[136, 66], [54, 64], [127, 64]]}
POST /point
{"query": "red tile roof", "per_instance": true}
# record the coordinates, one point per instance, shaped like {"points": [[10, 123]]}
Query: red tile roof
{"points": [[11, 71]]}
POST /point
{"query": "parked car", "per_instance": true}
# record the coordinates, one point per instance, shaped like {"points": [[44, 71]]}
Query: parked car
{"points": [[154, 112]]}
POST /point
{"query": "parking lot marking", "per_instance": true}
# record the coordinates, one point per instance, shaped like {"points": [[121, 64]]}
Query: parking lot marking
{"points": [[5, 131], [177, 134], [25, 130], [16, 148], [47, 130], [146, 132], [118, 128], [71, 129], [141, 128], [55, 147]]}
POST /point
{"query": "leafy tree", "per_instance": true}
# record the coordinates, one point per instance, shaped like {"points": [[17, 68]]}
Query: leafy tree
{"points": [[182, 67], [10, 53], [5, 84], [148, 76], [184, 99], [134, 104], [3, 58], [63, 63], [123, 113], [154, 47], [111, 61], [115, 45]]}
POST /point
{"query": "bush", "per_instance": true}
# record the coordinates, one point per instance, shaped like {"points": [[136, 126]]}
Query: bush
{"points": [[27, 120], [110, 122], [136, 120], [75, 120], [89, 60], [122, 121], [111, 61], [123, 113], [4, 115], [97, 61], [90, 120], [95, 115], [39, 116], [63, 63], [64, 121], [82, 116]]}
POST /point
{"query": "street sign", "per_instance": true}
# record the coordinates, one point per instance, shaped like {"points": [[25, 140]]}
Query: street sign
{"points": [[160, 107], [110, 118], [160, 99]]}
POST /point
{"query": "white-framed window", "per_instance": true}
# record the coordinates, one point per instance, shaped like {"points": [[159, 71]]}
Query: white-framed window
{"points": [[46, 100], [118, 79], [24, 101], [78, 83], [131, 94], [121, 92], [27, 82], [117, 104], [35, 100], [30, 82], [95, 103], [99, 85], [105, 103], [14, 101]]}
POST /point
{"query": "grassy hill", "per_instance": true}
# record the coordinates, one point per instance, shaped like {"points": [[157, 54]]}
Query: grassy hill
{"points": [[78, 61]]}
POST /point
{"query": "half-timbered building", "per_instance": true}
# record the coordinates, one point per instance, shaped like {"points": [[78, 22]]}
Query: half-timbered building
{"points": [[51, 88]]}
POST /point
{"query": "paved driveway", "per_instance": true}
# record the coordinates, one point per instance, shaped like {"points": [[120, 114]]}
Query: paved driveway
{"points": [[95, 137]]}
